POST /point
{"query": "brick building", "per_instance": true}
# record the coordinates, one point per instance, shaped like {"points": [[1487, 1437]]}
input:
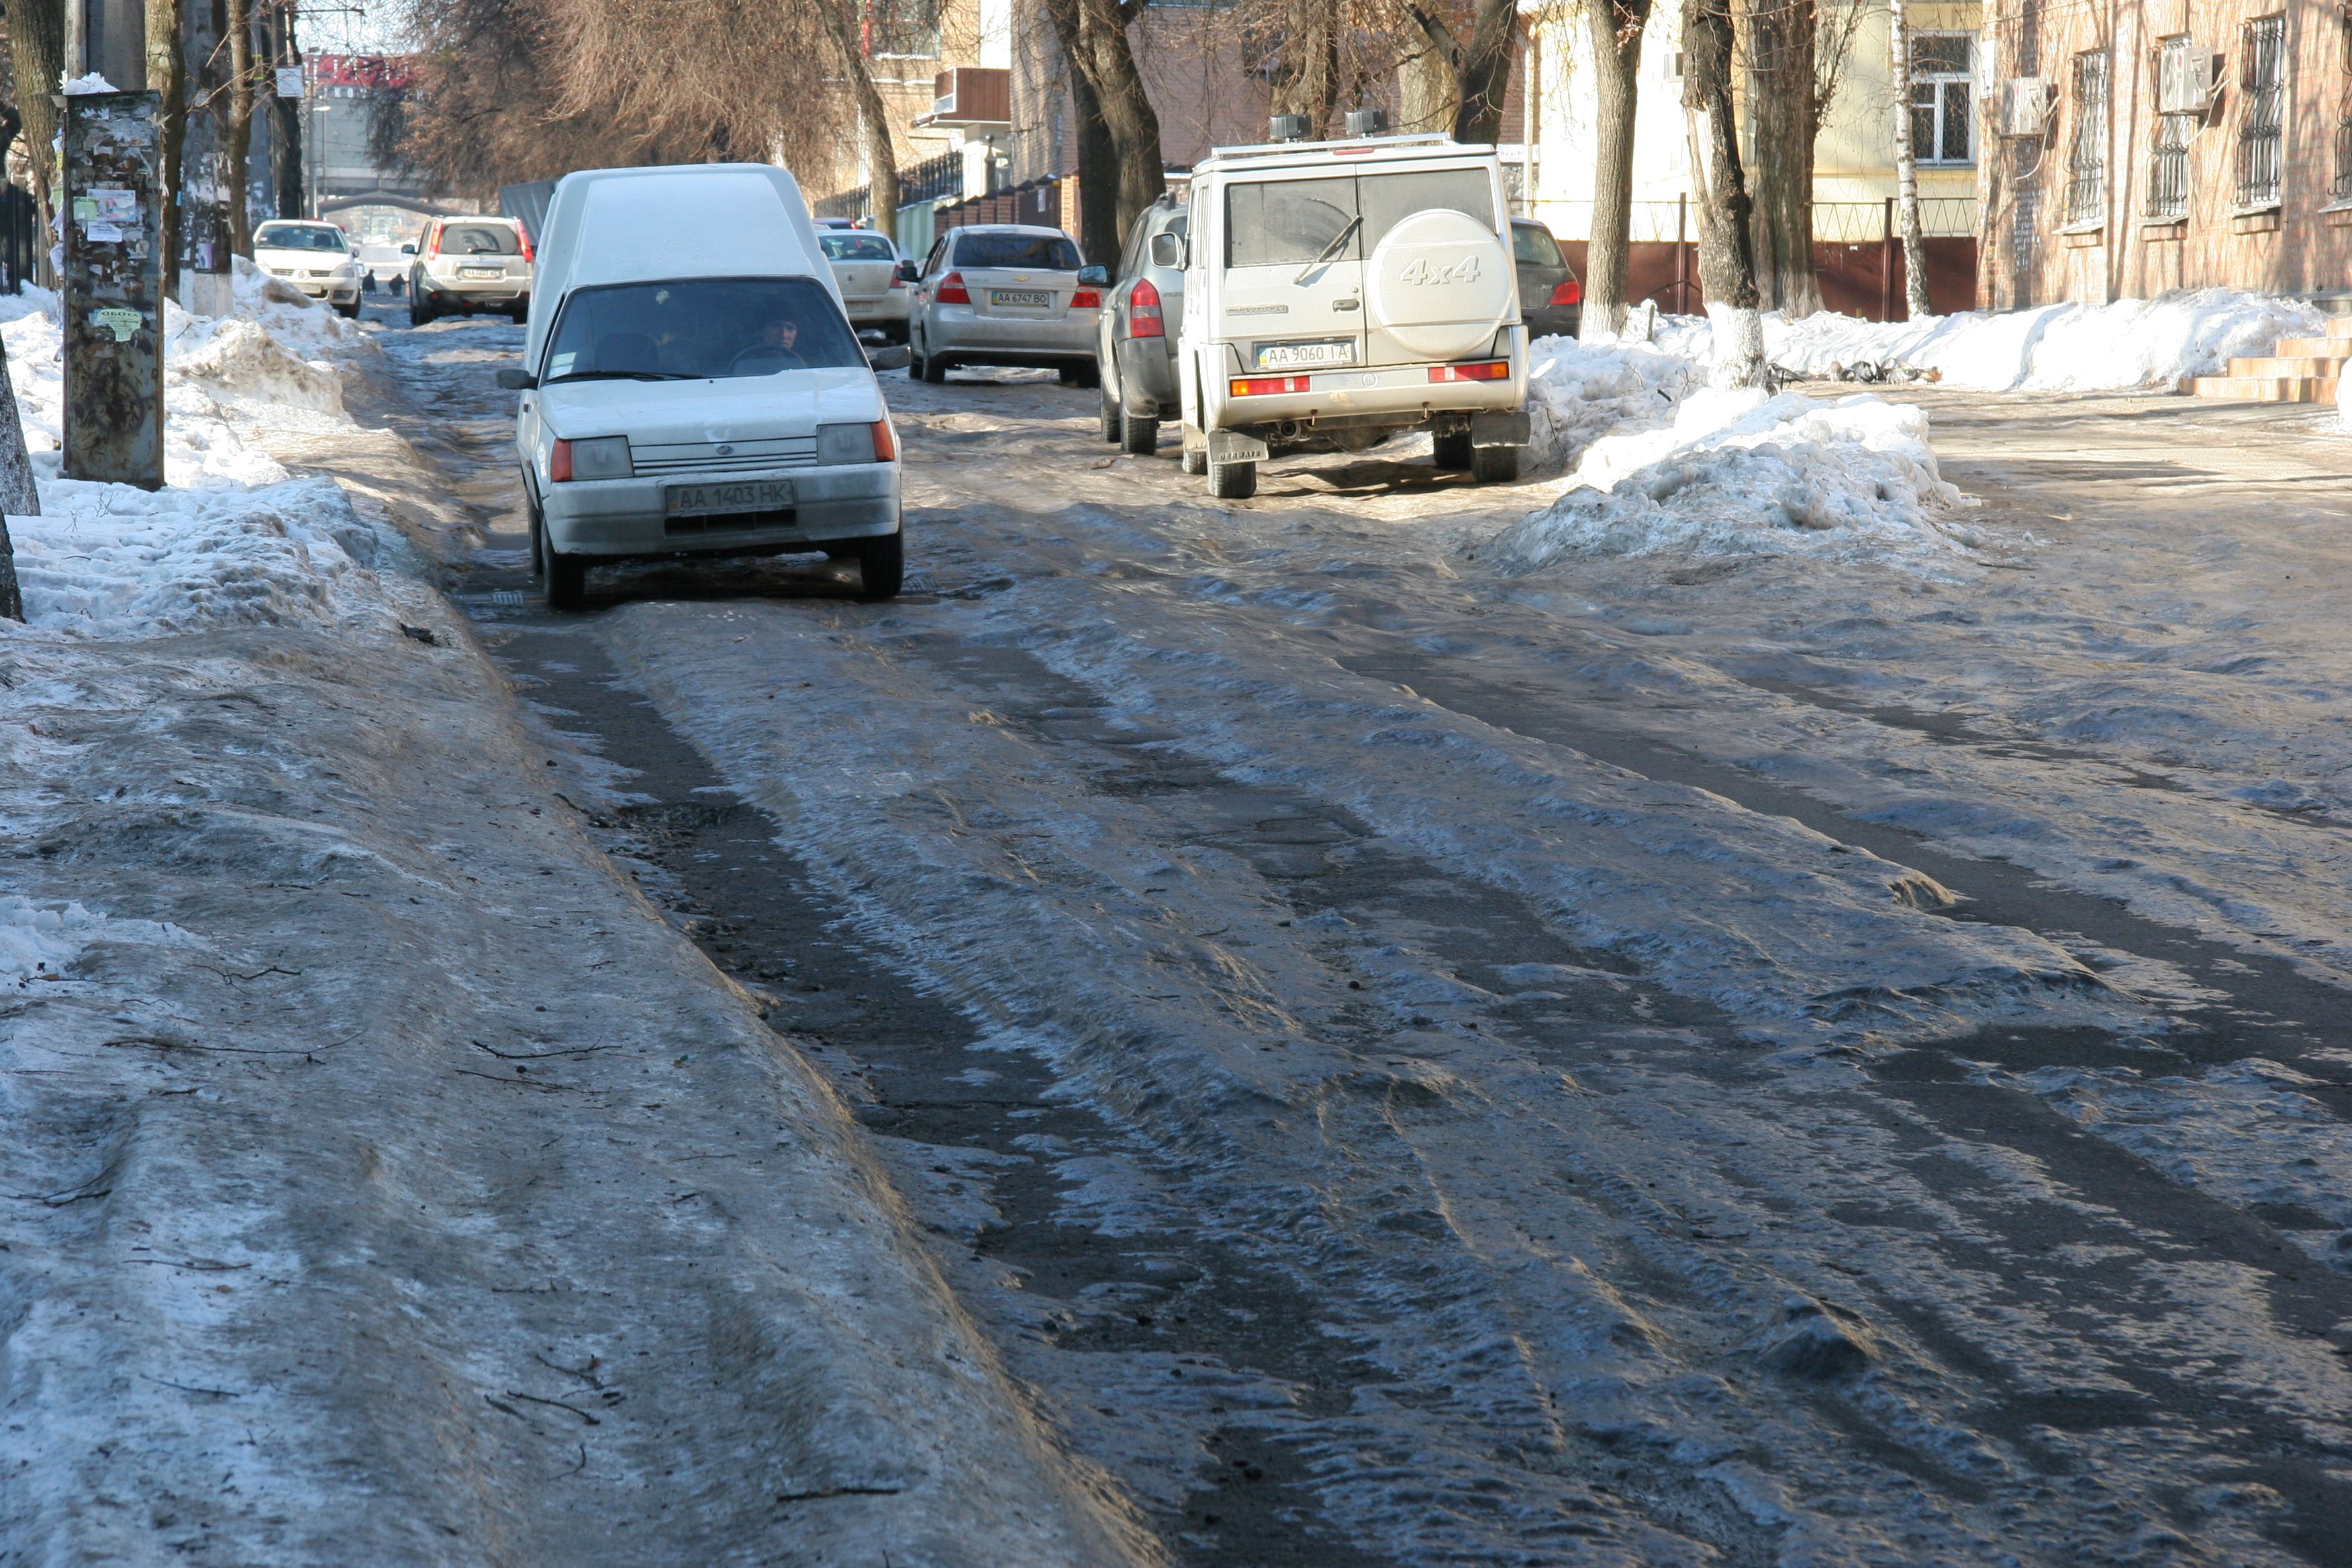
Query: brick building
{"points": [[2138, 147]]}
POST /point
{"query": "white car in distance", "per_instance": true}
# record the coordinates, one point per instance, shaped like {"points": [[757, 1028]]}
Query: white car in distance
{"points": [[315, 258], [865, 267]]}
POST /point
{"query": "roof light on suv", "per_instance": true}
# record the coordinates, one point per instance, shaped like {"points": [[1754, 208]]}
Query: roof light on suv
{"points": [[952, 291]]}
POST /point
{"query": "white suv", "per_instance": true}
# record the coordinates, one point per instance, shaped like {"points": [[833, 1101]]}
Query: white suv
{"points": [[1337, 292]]}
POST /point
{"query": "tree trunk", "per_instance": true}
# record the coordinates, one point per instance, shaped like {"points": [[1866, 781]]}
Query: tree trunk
{"points": [[36, 49], [1726, 257], [1482, 71], [167, 76], [19, 496], [1781, 46], [1906, 165], [1307, 79], [287, 145], [1615, 30], [1099, 232], [843, 24], [240, 126], [1097, 35]]}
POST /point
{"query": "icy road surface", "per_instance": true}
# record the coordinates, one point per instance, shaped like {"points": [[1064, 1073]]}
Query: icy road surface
{"points": [[1652, 1061]]}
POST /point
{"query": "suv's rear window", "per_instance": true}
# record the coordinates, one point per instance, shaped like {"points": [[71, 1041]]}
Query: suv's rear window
{"points": [[1288, 223], [479, 239], [1046, 252], [1535, 246], [300, 236], [856, 247], [704, 326]]}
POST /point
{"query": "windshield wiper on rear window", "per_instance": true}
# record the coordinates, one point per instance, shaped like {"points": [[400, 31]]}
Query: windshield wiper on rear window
{"points": [[624, 376], [1337, 241]]}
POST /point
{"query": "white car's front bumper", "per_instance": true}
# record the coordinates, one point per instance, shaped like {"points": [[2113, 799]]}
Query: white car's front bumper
{"points": [[626, 517], [339, 290]]}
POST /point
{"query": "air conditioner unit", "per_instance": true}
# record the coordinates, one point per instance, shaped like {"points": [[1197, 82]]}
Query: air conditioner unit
{"points": [[2025, 105], [2184, 83]]}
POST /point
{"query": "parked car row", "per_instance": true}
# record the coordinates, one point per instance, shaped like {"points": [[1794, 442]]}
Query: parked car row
{"points": [[693, 381]]}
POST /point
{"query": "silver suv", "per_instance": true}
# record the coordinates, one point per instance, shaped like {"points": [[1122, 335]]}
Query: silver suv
{"points": [[469, 264], [1135, 338]]}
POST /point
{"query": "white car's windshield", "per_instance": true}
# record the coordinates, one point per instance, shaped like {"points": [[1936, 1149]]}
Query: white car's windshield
{"points": [[1045, 252], [479, 239], [856, 247], [698, 329], [298, 236], [1286, 223]]}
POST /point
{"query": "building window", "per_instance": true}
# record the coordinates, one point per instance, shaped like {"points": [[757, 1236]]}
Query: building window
{"points": [[2168, 169], [901, 28], [2086, 157], [1943, 97], [2262, 73]]}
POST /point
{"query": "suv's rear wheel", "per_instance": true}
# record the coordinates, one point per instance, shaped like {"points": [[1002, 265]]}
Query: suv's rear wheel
{"points": [[1451, 449], [1138, 436], [881, 565], [1496, 464], [1233, 481], [420, 309], [1110, 414]]}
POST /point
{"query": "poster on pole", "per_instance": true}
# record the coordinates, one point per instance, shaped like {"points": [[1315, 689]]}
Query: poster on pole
{"points": [[113, 288]]}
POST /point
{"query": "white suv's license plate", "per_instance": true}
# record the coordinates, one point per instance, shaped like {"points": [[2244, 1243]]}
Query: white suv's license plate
{"points": [[1037, 298], [1279, 356], [707, 500], [481, 272]]}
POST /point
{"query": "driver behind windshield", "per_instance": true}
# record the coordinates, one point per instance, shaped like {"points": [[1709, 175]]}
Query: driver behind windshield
{"points": [[774, 348], [691, 328]]}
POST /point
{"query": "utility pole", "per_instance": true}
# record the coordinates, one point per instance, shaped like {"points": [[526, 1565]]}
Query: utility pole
{"points": [[113, 288]]}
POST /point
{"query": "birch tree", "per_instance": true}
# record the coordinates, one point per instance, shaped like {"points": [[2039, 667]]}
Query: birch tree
{"points": [[1906, 164]]}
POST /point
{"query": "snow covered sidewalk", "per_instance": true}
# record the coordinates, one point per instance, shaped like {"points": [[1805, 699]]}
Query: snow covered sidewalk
{"points": [[384, 1179]]}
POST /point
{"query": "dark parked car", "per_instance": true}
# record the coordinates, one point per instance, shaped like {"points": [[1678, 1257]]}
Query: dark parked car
{"points": [[1136, 335], [1551, 299]]}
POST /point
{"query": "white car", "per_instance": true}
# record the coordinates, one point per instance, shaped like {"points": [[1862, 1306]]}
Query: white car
{"points": [[469, 264], [690, 384], [1339, 292], [865, 267], [1004, 294], [315, 258]]}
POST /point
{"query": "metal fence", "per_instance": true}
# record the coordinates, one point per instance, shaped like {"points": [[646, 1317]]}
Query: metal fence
{"points": [[2086, 157], [1834, 223]]}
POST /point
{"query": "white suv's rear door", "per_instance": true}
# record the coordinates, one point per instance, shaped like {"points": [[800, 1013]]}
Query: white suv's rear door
{"points": [[1291, 291]]}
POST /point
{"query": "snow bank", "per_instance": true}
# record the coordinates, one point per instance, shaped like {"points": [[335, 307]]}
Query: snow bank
{"points": [[39, 942], [111, 561], [2054, 348], [1579, 392], [1742, 473]]}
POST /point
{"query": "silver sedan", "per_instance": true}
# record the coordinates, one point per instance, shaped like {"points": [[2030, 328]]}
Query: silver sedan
{"points": [[1004, 294]]}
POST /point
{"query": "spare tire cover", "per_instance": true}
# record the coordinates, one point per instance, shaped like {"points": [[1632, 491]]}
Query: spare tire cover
{"points": [[1441, 283]]}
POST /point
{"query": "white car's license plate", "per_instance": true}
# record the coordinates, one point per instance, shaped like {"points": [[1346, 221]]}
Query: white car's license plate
{"points": [[745, 495], [1335, 351], [480, 272], [1037, 298]]}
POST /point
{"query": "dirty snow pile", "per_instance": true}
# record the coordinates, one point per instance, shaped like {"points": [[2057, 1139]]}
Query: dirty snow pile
{"points": [[1745, 473], [1579, 392], [2052, 348], [233, 539]]}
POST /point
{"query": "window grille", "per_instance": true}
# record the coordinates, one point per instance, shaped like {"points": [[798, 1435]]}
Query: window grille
{"points": [[1943, 97], [2168, 169], [2262, 75], [2087, 160], [2341, 192]]}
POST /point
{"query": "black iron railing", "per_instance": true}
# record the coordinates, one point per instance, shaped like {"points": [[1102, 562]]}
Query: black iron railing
{"points": [[2261, 139], [2087, 160], [2168, 167]]}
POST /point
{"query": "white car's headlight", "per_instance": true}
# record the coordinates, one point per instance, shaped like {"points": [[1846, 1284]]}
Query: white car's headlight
{"points": [[849, 444], [599, 458]]}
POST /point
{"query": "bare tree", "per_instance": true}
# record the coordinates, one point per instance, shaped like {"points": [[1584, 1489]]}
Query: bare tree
{"points": [[1103, 54], [1615, 30], [1479, 56], [1099, 234], [842, 20], [1726, 257], [167, 77], [237, 133], [1306, 61], [37, 49], [1781, 56], [1906, 164]]}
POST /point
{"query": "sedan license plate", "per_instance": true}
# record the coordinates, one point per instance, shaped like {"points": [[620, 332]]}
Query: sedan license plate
{"points": [[480, 272], [1334, 351], [1036, 298], [709, 501]]}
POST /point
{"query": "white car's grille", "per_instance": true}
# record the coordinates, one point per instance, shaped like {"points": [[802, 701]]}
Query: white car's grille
{"points": [[724, 456], [321, 272]]}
